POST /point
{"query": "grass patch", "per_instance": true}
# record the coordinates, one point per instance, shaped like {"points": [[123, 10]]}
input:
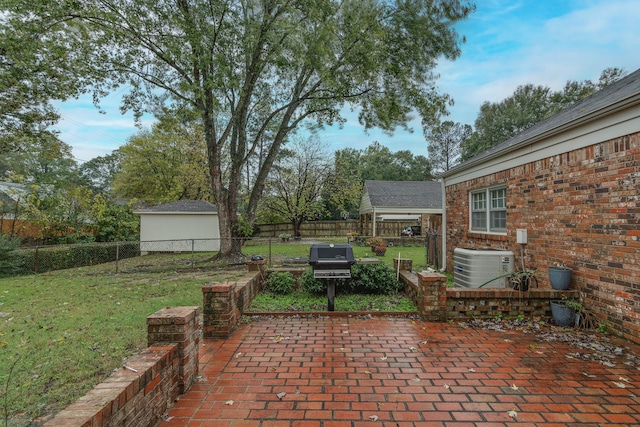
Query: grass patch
{"points": [[63, 332], [300, 301]]}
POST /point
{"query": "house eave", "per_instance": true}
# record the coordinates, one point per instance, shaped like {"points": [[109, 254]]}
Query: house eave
{"points": [[567, 126]]}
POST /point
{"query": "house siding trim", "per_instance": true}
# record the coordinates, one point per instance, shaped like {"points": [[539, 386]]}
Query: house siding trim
{"points": [[603, 129]]}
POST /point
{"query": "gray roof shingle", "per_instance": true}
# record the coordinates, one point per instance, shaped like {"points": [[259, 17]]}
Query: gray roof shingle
{"points": [[183, 206], [418, 194]]}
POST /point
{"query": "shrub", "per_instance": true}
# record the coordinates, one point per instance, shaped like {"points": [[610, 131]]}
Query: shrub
{"points": [[365, 279], [374, 241], [312, 285], [281, 283], [7, 255]]}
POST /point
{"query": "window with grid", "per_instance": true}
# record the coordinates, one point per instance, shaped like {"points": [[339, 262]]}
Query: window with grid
{"points": [[489, 210]]}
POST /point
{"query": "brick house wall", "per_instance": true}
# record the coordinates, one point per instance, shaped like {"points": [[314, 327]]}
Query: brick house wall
{"points": [[580, 208]]}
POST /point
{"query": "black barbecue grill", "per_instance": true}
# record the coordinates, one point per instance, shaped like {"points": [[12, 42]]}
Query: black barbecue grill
{"points": [[330, 262]]}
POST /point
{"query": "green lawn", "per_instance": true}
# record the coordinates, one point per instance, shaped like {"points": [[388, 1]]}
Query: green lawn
{"points": [[63, 332]]}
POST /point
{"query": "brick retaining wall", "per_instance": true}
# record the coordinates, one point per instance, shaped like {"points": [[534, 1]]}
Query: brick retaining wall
{"points": [[137, 394], [224, 303], [436, 302]]}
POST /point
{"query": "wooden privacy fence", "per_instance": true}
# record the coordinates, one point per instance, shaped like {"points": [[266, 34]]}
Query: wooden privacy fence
{"points": [[310, 229], [337, 228]]}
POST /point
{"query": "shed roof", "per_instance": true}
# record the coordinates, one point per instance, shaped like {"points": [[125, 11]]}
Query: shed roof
{"points": [[619, 95], [417, 194], [180, 206]]}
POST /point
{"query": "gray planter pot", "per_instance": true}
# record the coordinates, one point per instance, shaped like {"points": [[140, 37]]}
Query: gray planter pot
{"points": [[562, 315], [560, 278]]}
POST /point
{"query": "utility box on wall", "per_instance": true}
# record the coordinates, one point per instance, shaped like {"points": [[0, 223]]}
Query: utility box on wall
{"points": [[473, 268], [521, 236]]}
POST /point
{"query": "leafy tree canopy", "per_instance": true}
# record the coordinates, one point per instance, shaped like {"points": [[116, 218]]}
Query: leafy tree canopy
{"points": [[254, 70]]}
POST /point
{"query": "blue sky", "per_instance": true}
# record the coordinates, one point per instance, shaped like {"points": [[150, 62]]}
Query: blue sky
{"points": [[509, 43]]}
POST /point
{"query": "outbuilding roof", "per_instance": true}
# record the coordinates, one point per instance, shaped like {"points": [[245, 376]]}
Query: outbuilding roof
{"points": [[180, 206], [413, 194]]}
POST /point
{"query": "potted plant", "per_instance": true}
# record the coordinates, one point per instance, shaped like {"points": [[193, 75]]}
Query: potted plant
{"points": [[285, 236], [565, 312], [380, 250], [375, 241], [560, 276]]}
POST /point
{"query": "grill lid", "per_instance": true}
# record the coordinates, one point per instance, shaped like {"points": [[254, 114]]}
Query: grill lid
{"points": [[327, 255]]}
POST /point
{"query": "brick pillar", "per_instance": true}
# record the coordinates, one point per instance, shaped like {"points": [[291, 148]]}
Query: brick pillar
{"points": [[257, 265], [178, 325], [405, 264], [220, 309], [433, 302]]}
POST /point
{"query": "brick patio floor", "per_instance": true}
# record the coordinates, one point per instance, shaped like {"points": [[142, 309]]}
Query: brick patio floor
{"points": [[349, 372]]}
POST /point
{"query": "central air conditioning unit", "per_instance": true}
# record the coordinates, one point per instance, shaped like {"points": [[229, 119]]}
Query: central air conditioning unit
{"points": [[474, 267]]}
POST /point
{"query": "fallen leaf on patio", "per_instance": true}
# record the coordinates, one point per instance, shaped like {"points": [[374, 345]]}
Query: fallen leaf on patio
{"points": [[345, 332], [446, 386], [416, 380], [620, 384], [383, 358], [297, 391], [369, 335], [471, 370], [281, 395], [423, 342], [273, 369], [507, 340], [344, 324], [412, 348], [366, 372], [229, 402], [609, 364], [298, 337], [380, 405], [626, 380], [373, 418], [164, 417], [514, 387], [588, 375], [532, 346], [513, 414], [341, 348], [277, 339], [539, 352], [238, 355]]}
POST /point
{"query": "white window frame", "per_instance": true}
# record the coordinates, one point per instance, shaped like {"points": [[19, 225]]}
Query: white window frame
{"points": [[486, 208]]}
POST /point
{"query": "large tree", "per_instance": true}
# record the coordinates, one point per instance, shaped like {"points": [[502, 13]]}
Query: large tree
{"points": [[445, 144], [163, 164], [255, 70], [297, 181]]}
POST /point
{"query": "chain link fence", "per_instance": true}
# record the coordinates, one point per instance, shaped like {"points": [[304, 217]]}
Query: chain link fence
{"points": [[187, 254]]}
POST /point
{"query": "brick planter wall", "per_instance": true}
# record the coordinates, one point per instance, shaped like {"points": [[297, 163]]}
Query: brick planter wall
{"points": [[143, 389], [224, 303], [436, 302], [580, 208]]}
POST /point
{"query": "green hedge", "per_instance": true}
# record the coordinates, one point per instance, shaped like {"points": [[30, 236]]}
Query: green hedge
{"points": [[365, 279], [40, 260]]}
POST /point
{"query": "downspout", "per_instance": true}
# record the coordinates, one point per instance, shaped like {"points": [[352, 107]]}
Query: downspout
{"points": [[444, 226]]}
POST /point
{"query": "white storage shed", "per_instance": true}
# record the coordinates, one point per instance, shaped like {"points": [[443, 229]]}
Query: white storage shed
{"points": [[182, 226]]}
